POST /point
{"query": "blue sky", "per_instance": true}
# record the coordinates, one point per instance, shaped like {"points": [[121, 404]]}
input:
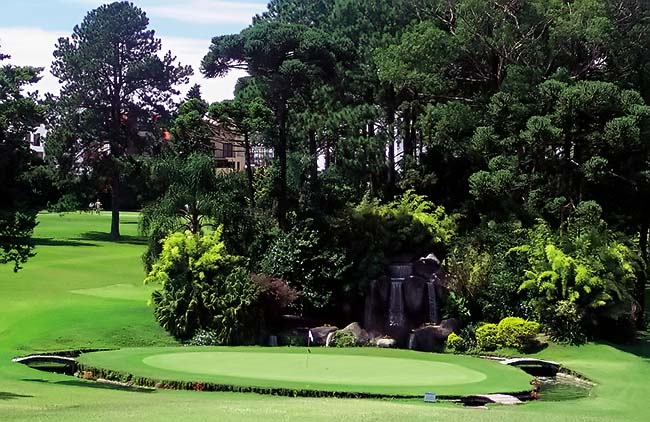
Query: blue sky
{"points": [[29, 29]]}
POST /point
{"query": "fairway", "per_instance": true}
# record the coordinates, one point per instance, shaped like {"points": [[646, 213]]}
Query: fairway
{"points": [[361, 370]]}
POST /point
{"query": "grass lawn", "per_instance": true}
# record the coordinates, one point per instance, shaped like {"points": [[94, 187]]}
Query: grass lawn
{"points": [[81, 291]]}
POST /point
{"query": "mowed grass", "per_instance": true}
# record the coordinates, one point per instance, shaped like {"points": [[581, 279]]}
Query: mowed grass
{"points": [[83, 292], [356, 370]]}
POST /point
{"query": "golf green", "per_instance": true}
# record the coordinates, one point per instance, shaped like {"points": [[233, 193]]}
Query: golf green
{"points": [[371, 370], [363, 370]]}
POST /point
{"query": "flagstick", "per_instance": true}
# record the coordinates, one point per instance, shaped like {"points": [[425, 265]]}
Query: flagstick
{"points": [[309, 337]]}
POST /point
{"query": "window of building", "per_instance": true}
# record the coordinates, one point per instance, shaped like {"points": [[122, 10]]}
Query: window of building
{"points": [[36, 141], [228, 151]]}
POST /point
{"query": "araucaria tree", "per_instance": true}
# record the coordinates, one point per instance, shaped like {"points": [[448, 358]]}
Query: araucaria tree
{"points": [[19, 114], [115, 85]]}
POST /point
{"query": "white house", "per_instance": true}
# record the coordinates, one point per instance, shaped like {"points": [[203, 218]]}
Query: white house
{"points": [[36, 141]]}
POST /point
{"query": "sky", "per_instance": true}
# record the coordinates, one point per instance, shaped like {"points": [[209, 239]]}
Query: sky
{"points": [[29, 30]]}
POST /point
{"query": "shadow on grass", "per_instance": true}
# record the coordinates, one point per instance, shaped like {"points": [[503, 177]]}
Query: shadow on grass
{"points": [[92, 384], [640, 346], [11, 396], [105, 237], [48, 241]]}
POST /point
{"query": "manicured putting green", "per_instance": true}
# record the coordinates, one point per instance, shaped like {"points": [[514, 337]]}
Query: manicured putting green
{"points": [[371, 370], [361, 370]]}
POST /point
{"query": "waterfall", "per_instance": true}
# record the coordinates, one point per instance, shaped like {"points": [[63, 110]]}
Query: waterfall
{"points": [[396, 307], [412, 341], [433, 303], [329, 337], [401, 271], [369, 308]]}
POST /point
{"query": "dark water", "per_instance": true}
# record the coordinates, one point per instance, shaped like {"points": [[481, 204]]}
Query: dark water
{"points": [[57, 368], [561, 389]]}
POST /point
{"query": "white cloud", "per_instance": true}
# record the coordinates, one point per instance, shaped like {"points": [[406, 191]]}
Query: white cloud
{"points": [[34, 47], [191, 51], [208, 11], [195, 11]]}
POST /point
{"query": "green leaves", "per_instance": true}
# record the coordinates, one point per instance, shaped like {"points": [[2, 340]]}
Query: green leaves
{"points": [[20, 113], [203, 287], [584, 274]]}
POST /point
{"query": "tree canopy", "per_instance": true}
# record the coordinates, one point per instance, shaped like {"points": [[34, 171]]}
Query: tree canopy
{"points": [[115, 87]]}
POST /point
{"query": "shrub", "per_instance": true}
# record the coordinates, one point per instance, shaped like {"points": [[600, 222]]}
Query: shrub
{"points": [[304, 259], [487, 337], [292, 339], [517, 332], [579, 278], [455, 343], [343, 339], [275, 293], [202, 287]]}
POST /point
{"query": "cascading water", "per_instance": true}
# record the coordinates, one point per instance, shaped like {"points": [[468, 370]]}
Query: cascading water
{"points": [[412, 341], [369, 309], [329, 338], [396, 306], [434, 317], [401, 271]]}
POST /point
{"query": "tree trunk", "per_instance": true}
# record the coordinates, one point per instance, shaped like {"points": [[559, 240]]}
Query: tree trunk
{"points": [[313, 155], [408, 136], [642, 278], [115, 206], [281, 182], [328, 155], [116, 152], [390, 180], [249, 170]]}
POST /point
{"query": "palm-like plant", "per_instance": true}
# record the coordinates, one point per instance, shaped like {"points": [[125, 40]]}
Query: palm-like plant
{"points": [[188, 203]]}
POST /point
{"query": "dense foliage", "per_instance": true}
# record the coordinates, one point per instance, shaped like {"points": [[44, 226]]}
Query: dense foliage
{"points": [[202, 287], [518, 153], [20, 113]]}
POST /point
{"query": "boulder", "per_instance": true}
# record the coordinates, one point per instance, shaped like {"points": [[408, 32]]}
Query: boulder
{"points": [[414, 295], [387, 343], [320, 334], [361, 336], [427, 267], [452, 324], [430, 338]]}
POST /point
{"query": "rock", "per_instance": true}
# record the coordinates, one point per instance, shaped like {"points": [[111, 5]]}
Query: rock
{"points": [[415, 295], [361, 336], [387, 343], [320, 334], [425, 268], [430, 338], [452, 324]]}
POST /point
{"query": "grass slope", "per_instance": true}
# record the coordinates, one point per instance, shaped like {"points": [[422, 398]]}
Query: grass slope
{"points": [[83, 292]]}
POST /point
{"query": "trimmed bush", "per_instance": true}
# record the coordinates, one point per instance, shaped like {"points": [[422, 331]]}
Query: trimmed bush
{"points": [[517, 332], [455, 343], [343, 339], [487, 337]]}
